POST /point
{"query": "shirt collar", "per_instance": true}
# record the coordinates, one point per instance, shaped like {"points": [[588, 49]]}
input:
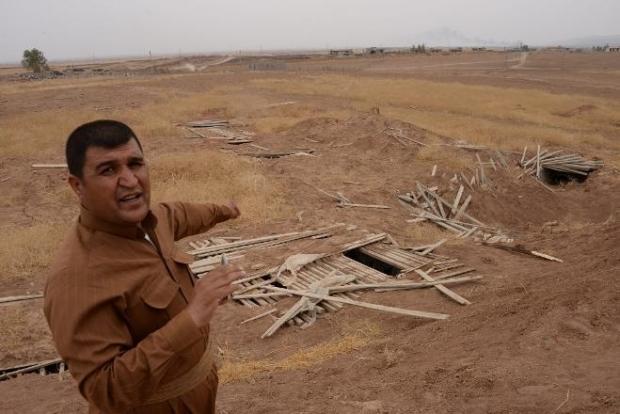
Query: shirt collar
{"points": [[88, 220]]}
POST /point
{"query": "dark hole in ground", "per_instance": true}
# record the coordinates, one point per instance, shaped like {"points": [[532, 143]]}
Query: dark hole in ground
{"points": [[365, 259], [553, 177]]}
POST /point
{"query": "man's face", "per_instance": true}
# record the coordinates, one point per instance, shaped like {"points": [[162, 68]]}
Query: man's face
{"points": [[115, 184]]}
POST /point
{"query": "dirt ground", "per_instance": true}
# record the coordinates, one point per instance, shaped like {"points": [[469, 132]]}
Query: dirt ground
{"points": [[540, 336]]}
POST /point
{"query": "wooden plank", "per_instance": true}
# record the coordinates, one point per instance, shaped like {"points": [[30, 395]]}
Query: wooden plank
{"points": [[432, 247], [523, 156], [483, 178], [400, 311], [440, 205], [386, 287], [261, 315], [546, 256], [452, 274], [457, 199], [49, 166], [11, 299], [362, 205], [32, 368], [463, 208], [452, 295]]}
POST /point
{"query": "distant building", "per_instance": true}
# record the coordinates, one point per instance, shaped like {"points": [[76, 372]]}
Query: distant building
{"points": [[341, 52], [375, 51], [613, 49], [478, 49], [456, 49]]}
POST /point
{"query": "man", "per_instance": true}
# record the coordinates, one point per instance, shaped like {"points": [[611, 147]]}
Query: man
{"points": [[125, 313]]}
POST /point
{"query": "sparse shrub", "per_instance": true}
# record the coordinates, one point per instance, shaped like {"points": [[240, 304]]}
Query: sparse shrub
{"points": [[34, 60]]}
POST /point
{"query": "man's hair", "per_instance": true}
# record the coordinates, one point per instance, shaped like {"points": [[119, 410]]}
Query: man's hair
{"points": [[103, 133]]}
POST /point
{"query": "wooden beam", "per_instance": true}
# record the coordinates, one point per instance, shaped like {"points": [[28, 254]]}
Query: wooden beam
{"points": [[39, 166], [452, 295], [10, 299], [400, 311]]}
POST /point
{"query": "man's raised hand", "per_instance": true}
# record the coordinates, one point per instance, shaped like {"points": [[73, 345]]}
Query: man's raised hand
{"points": [[210, 291]]}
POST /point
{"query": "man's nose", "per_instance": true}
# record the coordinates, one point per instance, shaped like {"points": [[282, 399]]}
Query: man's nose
{"points": [[127, 178]]}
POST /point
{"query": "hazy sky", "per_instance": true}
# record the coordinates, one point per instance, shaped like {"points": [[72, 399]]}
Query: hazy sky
{"points": [[87, 28]]}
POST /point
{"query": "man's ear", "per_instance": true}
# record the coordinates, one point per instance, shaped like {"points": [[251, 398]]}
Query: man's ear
{"points": [[76, 185]]}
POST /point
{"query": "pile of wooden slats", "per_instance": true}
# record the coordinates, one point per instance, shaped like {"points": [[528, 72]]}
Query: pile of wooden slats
{"points": [[221, 129], [558, 161], [262, 288], [208, 123], [427, 205]]}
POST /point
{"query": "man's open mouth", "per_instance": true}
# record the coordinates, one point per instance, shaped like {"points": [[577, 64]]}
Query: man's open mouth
{"points": [[130, 197]]}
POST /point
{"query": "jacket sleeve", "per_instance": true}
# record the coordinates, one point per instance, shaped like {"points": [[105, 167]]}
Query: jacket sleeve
{"points": [[187, 219], [114, 374]]}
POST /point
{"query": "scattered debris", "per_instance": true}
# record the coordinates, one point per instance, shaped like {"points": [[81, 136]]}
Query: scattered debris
{"points": [[222, 130], [207, 123], [399, 136], [554, 166], [349, 261], [427, 204]]}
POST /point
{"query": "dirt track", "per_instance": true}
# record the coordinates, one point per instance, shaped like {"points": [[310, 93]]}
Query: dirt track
{"points": [[539, 336]]}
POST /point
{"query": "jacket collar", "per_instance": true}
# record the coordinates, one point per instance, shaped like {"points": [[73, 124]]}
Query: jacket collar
{"points": [[88, 220]]}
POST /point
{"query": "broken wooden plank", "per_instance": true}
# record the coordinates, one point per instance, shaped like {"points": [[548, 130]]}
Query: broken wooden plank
{"points": [[40, 166], [538, 163], [464, 206], [10, 299], [278, 154], [432, 247], [523, 156], [388, 287], [521, 249], [457, 199], [400, 311], [30, 368], [260, 315], [546, 256], [449, 293]]}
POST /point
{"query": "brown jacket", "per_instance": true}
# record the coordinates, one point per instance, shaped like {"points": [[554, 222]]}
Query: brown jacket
{"points": [[115, 304]]}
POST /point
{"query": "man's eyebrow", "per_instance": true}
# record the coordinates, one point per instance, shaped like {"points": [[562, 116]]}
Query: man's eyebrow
{"points": [[106, 163]]}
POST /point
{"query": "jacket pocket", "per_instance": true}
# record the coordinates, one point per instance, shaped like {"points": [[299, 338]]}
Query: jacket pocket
{"points": [[180, 256], [159, 292]]}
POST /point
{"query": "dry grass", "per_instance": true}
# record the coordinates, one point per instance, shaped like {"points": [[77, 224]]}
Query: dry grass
{"points": [[217, 177], [246, 370], [505, 118], [24, 323], [25, 252], [423, 233]]}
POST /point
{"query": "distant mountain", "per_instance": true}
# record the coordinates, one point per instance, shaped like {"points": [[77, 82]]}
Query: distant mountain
{"points": [[451, 38], [589, 41]]}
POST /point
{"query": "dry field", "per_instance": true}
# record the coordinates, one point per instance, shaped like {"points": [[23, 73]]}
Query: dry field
{"points": [[540, 336]]}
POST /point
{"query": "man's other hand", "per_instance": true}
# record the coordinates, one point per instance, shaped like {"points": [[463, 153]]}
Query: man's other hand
{"points": [[210, 291], [234, 209]]}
